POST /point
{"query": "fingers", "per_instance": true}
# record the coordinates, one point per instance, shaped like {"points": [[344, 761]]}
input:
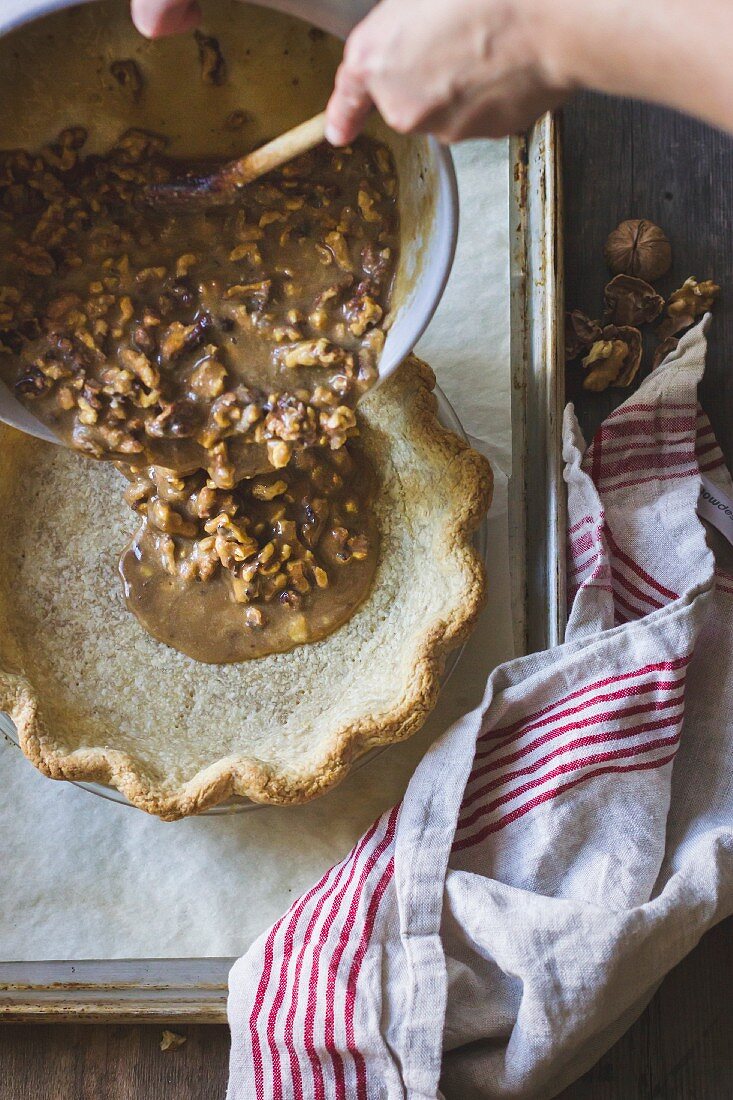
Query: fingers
{"points": [[157, 18], [348, 108]]}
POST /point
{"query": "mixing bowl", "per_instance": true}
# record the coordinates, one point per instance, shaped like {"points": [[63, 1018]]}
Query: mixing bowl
{"points": [[55, 62]]}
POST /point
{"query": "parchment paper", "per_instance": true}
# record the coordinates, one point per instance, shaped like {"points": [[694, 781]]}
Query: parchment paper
{"points": [[84, 878]]}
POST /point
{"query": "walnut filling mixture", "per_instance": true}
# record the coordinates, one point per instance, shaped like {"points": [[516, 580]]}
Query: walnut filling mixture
{"points": [[219, 354], [288, 554]]}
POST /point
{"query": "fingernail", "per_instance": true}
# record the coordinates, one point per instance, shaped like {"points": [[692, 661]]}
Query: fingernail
{"points": [[333, 134]]}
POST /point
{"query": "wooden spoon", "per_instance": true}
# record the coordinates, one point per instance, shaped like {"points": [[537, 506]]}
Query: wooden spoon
{"points": [[223, 184]]}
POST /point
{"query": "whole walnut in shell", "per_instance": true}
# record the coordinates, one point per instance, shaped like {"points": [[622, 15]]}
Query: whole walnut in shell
{"points": [[638, 247]]}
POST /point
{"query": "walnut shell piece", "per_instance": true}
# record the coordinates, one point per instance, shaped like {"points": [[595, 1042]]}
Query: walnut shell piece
{"points": [[632, 301], [686, 305], [614, 359], [580, 333], [638, 247]]}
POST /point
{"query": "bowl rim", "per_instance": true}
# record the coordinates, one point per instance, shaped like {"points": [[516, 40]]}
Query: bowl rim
{"points": [[437, 275]]}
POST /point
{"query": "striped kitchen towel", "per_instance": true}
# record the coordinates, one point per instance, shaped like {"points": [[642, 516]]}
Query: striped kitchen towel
{"points": [[559, 849]]}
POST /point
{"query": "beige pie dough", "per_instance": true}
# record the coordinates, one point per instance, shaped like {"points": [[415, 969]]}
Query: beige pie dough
{"points": [[96, 698]]}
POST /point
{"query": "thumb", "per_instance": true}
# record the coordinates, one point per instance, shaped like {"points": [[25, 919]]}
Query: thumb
{"points": [[348, 108]]}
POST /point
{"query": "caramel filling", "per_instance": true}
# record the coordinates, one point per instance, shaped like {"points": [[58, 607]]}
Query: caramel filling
{"points": [[218, 354], [289, 554]]}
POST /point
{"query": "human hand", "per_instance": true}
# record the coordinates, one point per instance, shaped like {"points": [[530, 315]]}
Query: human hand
{"points": [[486, 68], [156, 18], [468, 68]]}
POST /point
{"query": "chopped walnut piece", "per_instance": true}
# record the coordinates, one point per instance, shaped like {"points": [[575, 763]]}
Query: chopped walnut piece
{"points": [[337, 244], [268, 490], [208, 379], [363, 313], [278, 454], [309, 353], [253, 294], [87, 413], [359, 547], [339, 424], [139, 365], [177, 420], [366, 206], [213, 65], [63, 153], [221, 468], [686, 305], [184, 263], [270, 217], [243, 251], [127, 74], [165, 518], [631, 301], [171, 1040], [179, 337], [203, 561], [167, 551], [297, 578]]}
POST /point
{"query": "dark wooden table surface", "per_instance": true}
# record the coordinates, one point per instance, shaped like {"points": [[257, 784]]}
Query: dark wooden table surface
{"points": [[621, 160]]}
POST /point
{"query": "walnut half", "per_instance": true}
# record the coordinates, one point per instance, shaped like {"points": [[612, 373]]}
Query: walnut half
{"points": [[686, 305], [631, 301], [614, 359]]}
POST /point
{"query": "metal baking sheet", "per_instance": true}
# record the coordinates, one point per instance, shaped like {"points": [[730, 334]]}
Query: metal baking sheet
{"points": [[194, 990], [536, 492]]}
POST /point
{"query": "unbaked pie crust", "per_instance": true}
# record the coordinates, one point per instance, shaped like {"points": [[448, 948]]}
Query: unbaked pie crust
{"points": [[95, 698]]}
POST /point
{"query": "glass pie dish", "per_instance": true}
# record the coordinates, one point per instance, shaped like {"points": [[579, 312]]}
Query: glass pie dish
{"points": [[449, 419]]}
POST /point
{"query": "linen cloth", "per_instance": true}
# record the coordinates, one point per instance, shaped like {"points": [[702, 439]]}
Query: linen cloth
{"points": [[561, 847]]}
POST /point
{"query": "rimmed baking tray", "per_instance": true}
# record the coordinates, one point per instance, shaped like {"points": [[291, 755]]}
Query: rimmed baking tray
{"points": [[194, 990]]}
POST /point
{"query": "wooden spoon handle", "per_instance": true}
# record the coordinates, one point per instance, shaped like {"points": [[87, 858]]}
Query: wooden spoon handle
{"points": [[278, 151]]}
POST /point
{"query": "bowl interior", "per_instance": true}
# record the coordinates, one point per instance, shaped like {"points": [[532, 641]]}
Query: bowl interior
{"points": [[279, 70]]}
